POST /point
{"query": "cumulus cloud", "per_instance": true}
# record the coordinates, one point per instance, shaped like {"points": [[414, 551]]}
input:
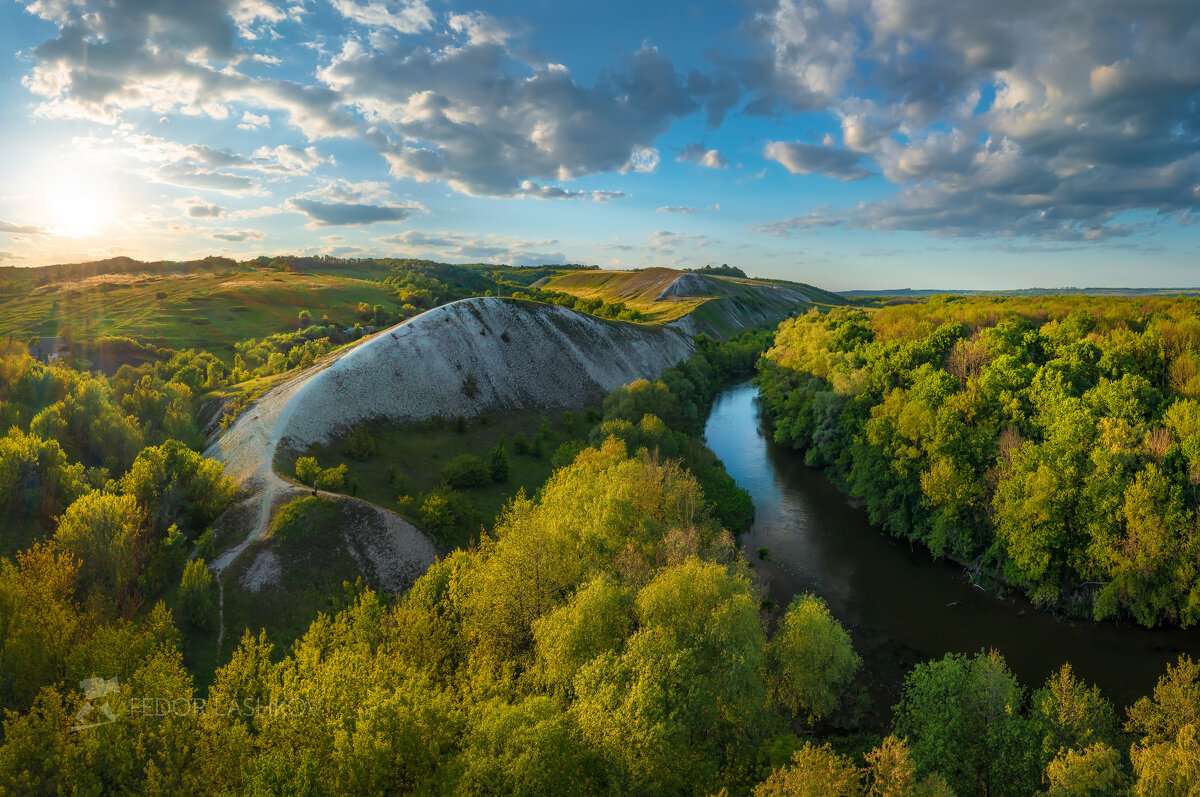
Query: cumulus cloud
{"points": [[532, 189], [463, 116], [237, 236], [110, 58], [331, 214], [197, 208], [342, 203], [443, 96], [403, 16], [800, 158], [252, 121], [20, 229], [698, 153], [1050, 120]]}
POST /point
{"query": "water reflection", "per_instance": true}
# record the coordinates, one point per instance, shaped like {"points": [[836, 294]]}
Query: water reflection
{"points": [[902, 606]]}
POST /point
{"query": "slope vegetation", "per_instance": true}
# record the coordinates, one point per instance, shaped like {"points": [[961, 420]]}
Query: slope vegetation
{"points": [[464, 358], [719, 306]]}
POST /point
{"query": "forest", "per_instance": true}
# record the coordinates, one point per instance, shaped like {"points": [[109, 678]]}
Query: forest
{"points": [[1052, 444], [606, 634]]}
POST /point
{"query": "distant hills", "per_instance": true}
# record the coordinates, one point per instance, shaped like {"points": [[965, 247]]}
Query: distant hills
{"points": [[917, 293]]}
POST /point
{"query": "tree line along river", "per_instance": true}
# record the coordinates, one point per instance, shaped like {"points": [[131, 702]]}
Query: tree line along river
{"points": [[900, 605]]}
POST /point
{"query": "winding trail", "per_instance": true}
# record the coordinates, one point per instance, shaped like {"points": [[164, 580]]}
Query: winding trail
{"points": [[520, 355]]}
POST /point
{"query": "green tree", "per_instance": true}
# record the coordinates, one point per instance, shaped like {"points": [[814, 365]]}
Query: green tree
{"points": [[307, 470], [962, 718], [810, 660], [196, 602]]}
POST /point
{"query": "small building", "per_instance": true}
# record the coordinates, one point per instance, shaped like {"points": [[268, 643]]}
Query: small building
{"points": [[50, 350]]}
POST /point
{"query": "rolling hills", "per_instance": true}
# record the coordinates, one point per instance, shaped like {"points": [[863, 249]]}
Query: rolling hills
{"points": [[693, 302]]}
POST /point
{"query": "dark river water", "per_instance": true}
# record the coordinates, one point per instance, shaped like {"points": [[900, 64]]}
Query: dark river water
{"points": [[900, 605]]}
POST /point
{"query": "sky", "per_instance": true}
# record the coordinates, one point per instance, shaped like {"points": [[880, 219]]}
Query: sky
{"points": [[844, 143]]}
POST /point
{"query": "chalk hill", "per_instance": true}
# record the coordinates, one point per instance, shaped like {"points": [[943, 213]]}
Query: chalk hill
{"points": [[693, 302], [464, 358]]}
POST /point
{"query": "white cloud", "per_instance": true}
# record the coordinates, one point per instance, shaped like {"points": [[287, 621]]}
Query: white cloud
{"points": [[1045, 120], [698, 153], [403, 16]]}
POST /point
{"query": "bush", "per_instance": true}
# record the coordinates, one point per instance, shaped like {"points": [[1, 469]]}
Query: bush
{"points": [[498, 462], [196, 602], [521, 444], [304, 519], [444, 509], [436, 515], [307, 470], [565, 454], [467, 470], [361, 444], [460, 423], [333, 478], [206, 545]]}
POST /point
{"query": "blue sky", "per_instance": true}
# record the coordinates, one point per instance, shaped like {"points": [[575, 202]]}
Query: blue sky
{"points": [[845, 143]]}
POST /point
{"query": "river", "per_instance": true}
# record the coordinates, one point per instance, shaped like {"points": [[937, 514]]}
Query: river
{"points": [[900, 605]]}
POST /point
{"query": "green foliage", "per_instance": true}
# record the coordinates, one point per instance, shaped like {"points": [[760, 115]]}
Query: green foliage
{"points": [[307, 470], [305, 519], [963, 718], [36, 482], [174, 485], [1042, 440], [106, 532], [810, 659], [498, 462], [467, 470], [196, 602], [360, 444]]}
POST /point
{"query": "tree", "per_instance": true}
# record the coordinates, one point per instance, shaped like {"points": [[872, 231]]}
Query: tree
{"points": [[1094, 771], [498, 462], [107, 533], [814, 772], [195, 595], [305, 318], [810, 659], [962, 718], [307, 470]]}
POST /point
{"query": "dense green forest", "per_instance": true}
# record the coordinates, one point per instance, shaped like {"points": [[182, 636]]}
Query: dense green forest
{"points": [[1051, 443], [605, 635]]}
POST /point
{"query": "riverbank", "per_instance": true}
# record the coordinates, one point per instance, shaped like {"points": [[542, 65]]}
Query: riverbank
{"points": [[901, 605]]}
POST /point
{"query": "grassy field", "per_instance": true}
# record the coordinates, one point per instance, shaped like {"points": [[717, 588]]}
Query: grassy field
{"points": [[411, 458], [721, 299], [204, 309]]}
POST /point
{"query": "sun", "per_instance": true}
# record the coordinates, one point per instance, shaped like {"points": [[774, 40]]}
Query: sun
{"points": [[78, 205]]}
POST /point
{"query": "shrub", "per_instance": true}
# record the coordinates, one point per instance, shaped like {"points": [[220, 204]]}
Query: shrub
{"points": [[498, 462], [333, 478], [460, 424], [467, 470], [304, 519], [521, 444], [470, 387], [206, 545], [444, 509], [361, 444], [565, 454], [196, 602], [307, 470], [436, 515]]}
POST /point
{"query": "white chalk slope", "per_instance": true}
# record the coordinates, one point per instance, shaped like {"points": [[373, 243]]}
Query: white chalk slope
{"points": [[518, 354]]}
